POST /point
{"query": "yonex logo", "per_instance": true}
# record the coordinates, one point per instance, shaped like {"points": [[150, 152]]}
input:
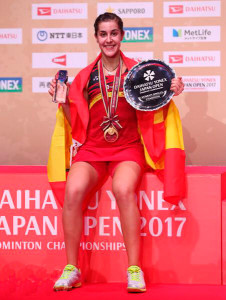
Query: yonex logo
{"points": [[61, 60], [149, 75], [138, 34], [10, 84]]}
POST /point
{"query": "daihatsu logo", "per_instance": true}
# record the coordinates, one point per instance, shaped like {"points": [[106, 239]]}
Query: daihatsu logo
{"points": [[44, 11], [176, 9]]}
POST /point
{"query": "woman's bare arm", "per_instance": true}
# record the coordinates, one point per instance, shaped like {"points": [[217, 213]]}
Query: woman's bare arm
{"points": [[65, 106]]}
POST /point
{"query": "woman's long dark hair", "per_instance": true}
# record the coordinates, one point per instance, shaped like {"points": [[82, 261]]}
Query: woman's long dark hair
{"points": [[108, 17]]}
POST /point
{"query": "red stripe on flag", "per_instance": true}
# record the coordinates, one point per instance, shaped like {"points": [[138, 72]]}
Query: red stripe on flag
{"points": [[153, 134], [58, 189], [173, 175]]}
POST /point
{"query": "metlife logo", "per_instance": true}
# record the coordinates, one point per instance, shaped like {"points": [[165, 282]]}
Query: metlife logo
{"points": [[58, 60], [59, 11], [10, 84], [193, 58], [139, 56], [59, 35], [138, 35], [127, 9], [201, 83], [10, 35], [191, 34], [181, 9]]}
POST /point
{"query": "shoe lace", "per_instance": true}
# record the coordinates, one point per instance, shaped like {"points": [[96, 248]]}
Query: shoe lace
{"points": [[66, 273], [135, 273]]}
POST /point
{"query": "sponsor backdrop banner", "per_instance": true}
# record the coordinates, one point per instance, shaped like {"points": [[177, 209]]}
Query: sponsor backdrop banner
{"points": [[191, 34], [197, 9], [188, 35], [192, 58], [59, 11], [176, 241], [59, 36], [10, 84]]}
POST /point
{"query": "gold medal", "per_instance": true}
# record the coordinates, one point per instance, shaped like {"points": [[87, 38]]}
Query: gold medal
{"points": [[111, 134], [110, 124]]}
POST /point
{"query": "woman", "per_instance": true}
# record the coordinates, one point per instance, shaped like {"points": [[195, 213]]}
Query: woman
{"points": [[111, 144]]}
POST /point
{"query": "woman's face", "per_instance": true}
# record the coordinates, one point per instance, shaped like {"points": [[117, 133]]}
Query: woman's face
{"points": [[109, 38]]}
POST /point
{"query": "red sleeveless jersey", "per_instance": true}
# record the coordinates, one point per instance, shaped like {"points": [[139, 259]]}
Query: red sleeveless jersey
{"points": [[96, 148]]}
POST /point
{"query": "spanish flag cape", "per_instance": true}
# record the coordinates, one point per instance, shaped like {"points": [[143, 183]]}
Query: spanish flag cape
{"points": [[160, 131]]}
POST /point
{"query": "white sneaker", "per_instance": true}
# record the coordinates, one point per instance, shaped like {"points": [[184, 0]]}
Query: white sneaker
{"points": [[70, 278], [136, 283]]}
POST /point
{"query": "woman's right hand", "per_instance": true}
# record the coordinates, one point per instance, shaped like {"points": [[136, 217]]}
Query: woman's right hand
{"points": [[52, 87]]}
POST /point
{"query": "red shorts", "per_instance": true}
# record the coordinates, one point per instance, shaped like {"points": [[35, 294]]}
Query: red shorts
{"points": [[106, 168]]}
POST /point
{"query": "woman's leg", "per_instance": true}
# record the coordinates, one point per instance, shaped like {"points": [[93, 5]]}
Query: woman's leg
{"points": [[125, 180], [82, 178]]}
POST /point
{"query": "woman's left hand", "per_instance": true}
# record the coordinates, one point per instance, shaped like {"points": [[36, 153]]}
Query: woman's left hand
{"points": [[177, 86]]}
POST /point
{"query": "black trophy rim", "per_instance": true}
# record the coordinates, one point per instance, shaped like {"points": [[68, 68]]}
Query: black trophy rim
{"points": [[127, 81]]}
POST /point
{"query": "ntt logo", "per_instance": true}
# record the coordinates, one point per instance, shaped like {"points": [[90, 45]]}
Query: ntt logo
{"points": [[42, 35]]}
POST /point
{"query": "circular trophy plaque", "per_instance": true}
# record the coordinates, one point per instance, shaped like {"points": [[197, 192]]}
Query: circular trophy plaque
{"points": [[147, 85]]}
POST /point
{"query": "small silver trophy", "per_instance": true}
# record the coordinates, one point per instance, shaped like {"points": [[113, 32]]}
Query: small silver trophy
{"points": [[60, 92]]}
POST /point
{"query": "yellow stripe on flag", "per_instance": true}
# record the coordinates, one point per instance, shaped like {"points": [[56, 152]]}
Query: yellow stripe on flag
{"points": [[174, 135], [158, 116], [155, 166], [57, 156]]}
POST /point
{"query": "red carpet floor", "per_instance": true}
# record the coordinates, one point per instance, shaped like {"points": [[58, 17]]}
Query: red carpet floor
{"points": [[25, 290]]}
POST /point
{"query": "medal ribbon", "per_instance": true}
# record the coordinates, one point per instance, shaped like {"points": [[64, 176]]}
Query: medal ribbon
{"points": [[110, 105]]}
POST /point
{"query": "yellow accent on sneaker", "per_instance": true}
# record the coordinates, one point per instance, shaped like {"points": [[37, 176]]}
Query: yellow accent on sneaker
{"points": [[70, 278], [136, 281], [135, 272], [67, 271]]}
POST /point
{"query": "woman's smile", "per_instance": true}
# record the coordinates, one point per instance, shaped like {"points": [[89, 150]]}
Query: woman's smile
{"points": [[109, 38]]}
